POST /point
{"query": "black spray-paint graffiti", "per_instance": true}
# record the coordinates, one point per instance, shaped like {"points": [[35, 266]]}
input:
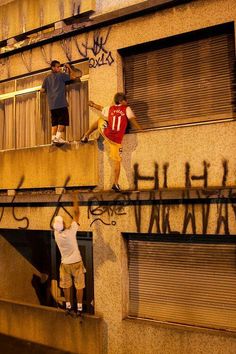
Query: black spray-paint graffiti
{"points": [[155, 212], [96, 52], [13, 208], [100, 54], [59, 205], [104, 212], [159, 221]]}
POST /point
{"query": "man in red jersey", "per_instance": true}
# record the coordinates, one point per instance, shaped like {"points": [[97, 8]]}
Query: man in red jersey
{"points": [[112, 129]]}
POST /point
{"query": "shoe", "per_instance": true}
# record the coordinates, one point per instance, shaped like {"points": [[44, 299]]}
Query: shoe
{"points": [[78, 313], [116, 187], [59, 141], [84, 139], [69, 311]]}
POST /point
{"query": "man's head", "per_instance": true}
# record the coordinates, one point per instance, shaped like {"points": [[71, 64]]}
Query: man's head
{"points": [[58, 224], [120, 98], [56, 66]]}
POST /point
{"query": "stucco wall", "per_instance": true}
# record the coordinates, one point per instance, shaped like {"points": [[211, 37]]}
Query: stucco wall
{"points": [[103, 6], [214, 144], [111, 276], [49, 166]]}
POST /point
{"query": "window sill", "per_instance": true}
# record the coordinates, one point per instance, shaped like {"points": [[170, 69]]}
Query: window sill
{"points": [[179, 326]]}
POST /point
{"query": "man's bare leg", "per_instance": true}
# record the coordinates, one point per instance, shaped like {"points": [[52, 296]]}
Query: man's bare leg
{"points": [[79, 297], [54, 132], [66, 292], [116, 171], [61, 132], [93, 127]]}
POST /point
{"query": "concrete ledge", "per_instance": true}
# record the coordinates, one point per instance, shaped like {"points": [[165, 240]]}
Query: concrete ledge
{"points": [[197, 195], [48, 166], [50, 327]]}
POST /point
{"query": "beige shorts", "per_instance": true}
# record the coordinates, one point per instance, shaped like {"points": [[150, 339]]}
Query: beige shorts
{"points": [[114, 150], [75, 271]]}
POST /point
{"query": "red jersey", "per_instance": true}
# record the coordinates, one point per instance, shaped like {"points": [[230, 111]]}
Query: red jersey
{"points": [[117, 123]]}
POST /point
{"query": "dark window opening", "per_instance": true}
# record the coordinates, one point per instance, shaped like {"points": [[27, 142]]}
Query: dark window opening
{"points": [[30, 264]]}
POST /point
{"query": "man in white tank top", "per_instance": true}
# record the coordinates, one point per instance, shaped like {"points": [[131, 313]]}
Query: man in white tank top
{"points": [[71, 269]]}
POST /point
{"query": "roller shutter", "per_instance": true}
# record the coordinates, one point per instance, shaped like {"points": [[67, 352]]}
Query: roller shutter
{"points": [[181, 81], [187, 283]]}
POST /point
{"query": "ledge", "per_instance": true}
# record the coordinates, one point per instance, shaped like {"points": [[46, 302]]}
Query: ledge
{"points": [[49, 166], [37, 323], [179, 326], [45, 197]]}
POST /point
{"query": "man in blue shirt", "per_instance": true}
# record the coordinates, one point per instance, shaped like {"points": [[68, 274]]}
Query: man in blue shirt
{"points": [[54, 86]]}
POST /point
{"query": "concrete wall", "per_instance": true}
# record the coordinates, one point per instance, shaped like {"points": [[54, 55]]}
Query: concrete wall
{"points": [[31, 15], [103, 6], [49, 166], [212, 143], [119, 335], [51, 327]]}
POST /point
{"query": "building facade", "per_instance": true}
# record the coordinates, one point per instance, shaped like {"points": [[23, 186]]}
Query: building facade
{"points": [[160, 256]]}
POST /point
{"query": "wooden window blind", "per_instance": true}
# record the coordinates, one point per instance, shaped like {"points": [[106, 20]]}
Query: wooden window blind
{"points": [[186, 283], [181, 81]]}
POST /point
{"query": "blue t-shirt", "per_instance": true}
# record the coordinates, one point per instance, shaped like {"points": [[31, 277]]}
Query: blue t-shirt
{"points": [[54, 85]]}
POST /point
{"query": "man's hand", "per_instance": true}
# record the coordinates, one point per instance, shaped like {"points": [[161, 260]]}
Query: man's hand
{"points": [[94, 105], [75, 74], [91, 104]]}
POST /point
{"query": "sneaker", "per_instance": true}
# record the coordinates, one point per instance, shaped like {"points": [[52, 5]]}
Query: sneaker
{"points": [[60, 141], [116, 187], [78, 313], [69, 311], [84, 139]]}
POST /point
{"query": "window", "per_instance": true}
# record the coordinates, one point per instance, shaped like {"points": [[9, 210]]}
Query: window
{"points": [[183, 79], [183, 279], [24, 114]]}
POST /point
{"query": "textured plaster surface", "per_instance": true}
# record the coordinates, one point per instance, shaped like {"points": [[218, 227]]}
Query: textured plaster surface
{"points": [[211, 143]]}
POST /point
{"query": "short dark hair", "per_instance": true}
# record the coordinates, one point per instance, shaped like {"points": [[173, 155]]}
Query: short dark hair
{"points": [[54, 62], [119, 96]]}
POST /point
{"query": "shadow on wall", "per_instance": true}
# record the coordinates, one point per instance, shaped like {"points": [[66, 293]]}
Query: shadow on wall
{"points": [[28, 265], [130, 143], [102, 251], [129, 146]]}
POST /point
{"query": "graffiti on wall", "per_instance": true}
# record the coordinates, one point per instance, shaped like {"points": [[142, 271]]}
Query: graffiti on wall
{"points": [[25, 219], [159, 220], [92, 47], [196, 209], [97, 51], [103, 213]]}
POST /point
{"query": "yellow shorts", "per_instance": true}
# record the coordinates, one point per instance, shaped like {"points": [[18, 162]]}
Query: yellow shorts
{"points": [[114, 150], [70, 271]]}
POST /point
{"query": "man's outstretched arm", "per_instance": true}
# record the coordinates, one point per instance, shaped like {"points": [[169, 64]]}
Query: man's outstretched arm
{"points": [[134, 123], [76, 208], [94, 105]]}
